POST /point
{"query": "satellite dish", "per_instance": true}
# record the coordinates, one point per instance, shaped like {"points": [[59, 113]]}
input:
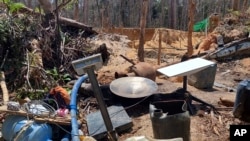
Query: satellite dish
{"points": [[133, 87]]}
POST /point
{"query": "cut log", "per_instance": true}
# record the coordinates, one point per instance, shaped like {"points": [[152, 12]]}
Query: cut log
{"points": [[230, 49], [76, 24]]}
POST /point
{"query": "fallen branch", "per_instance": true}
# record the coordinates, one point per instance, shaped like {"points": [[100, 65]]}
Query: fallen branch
{"points": [[62, 20], [4, 88], [28, 69], [2, 81], [129, 60]]}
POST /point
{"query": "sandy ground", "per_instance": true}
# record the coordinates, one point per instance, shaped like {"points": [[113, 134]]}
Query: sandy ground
{"points": [[205, 126]]}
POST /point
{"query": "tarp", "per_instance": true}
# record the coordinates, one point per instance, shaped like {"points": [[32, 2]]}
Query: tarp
{"points": [[200, 26]]}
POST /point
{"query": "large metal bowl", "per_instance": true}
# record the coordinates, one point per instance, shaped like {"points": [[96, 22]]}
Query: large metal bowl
{"points": [[133, 87]]}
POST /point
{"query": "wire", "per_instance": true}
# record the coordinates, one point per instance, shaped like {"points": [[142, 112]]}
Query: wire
{"points": [[38, 107], [115, 113], [112, 115], [137, 103]]}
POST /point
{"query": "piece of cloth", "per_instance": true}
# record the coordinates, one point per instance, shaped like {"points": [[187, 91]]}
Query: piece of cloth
{"points": [[200, 26], [61, 96]]}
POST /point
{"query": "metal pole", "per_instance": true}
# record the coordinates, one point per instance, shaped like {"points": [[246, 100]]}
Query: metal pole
{"points": [[185, 83], [103, 108]]}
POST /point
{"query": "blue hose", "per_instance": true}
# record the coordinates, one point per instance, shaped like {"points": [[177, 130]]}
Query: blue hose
{"points": [[73, 108], [66, 137]]}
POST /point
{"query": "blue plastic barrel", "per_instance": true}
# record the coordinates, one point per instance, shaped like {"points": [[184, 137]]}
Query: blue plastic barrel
{"points": [[13, 124]]}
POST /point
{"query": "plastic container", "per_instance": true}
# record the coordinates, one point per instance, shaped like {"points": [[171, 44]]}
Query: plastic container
{"points": [[170, 119], [13, 125], [242, 101]]}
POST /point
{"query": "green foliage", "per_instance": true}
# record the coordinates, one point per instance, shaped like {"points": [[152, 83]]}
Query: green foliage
{"points": [[36, 95], [70, 5], [37, 9], [16, 6], [13, 6], [4, 32], [60, 79], [15, 33]]}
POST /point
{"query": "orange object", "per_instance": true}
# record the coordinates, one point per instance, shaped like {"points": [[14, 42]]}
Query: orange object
{"points": [[60, 90]]}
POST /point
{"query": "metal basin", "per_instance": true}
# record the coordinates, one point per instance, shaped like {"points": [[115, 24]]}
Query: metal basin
{"points": [[133, 87]]}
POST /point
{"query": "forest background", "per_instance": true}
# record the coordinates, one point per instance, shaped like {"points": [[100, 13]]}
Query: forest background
{"points": [[126, 13]]}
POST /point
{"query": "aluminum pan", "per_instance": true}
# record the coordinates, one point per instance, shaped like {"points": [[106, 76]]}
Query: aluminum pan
{"points": [[133, 87]]}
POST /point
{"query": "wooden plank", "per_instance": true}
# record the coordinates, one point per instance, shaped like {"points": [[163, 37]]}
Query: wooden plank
{"points": [[53, 120]]}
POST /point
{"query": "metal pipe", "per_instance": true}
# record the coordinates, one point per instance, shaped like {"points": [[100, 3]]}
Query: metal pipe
{"points": [[103, 108], [73, 108]]}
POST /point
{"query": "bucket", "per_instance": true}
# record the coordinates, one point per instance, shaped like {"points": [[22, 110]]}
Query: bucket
{"points": [[203, 79], [170, 119], [242, 101]]}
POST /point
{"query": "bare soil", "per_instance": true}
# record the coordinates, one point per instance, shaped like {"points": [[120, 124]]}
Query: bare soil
{"points": [[205, 125]]}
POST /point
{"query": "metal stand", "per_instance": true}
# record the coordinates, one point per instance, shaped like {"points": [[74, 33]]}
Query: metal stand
{"points": [[103, 108], [88, 65], [190, 97], [184, 68]]}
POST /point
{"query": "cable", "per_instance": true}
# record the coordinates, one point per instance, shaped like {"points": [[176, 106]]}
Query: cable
{"points": [[115, 113], [137, 103], [38, 107], [112, 115]]}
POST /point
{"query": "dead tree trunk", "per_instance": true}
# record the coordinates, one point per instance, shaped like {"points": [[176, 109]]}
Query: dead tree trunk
{"points": [[46, 6], [29, 3], [245, 5], [235, 5], [76, 11], [86, 11], [190, 26], [142, 33], [162, 14], [172, 13]]}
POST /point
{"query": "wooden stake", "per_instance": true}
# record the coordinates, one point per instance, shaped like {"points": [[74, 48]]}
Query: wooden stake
{"points": [[102, 18], [159, 49], [142, 32], [4, 88], [191, 8]]}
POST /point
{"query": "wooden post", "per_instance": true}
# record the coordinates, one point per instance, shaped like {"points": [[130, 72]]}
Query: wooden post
{"points": [[159, 49], [102, 11], [134, 37], [190, 26], [85, 11], [4, 88], [142, 32]]}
